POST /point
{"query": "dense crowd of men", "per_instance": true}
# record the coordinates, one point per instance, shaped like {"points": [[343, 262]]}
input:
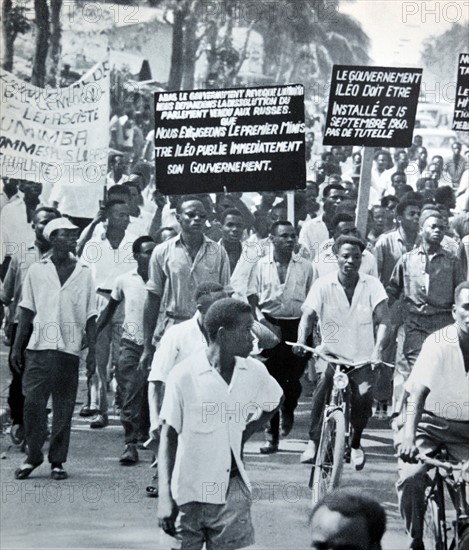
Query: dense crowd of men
{"points": [[189, 302]]}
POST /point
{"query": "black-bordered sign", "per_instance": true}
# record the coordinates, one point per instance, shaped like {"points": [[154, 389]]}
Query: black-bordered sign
{"points": [[238, 139], [372, 106], [461, 105]]}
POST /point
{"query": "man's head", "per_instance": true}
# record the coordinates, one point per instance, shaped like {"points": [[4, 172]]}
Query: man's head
{"points": [[349, 250], [232, 225], [136, 199], [62, 235], [332, 196], [461, 308], [438, 160], [41, 217], [117, 214], [456, 148], [31, 189], [278, 212], [432, 226], [418, 140], [398, 180], [445, 195], [343, 224], [433, 171], [207, 294], [422, 155], [10, 186], [408, 215], [228, 325], [191, 215], [283, 236], [383, 160], [379, 218], [142, 249], [401, 160], [347, 520], [119, 192]]}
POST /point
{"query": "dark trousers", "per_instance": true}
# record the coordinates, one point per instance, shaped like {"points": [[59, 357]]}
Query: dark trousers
{"points": [[15, 390], [134, 413], [287, 368], [49, 372], [361, 385], [417, 328]]}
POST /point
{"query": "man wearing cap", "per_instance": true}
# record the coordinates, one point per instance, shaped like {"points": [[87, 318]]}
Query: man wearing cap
{"points": [[59, 300], [425, 278]]}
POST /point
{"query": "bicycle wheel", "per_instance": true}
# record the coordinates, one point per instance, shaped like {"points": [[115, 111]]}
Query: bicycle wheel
{"points": [[432, 522], [330, 456], [463, 543]]}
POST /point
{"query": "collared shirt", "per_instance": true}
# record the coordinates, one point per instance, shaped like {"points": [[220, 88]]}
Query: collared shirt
{"points": [[281, 301], [107, 263], [326, 262], [312, 234], [13, 283], [15, 230], [210, 417], [131, 288], [251, 252], [440, 368], [388, 249], [61, 312], [172, 269], [426, 283], [346, 329], [178, 342]]}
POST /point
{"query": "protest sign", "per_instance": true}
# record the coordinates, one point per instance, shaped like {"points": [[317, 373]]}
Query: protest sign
{"points": [[59, 137], [372, 106], [461, 107], [239, 139]]}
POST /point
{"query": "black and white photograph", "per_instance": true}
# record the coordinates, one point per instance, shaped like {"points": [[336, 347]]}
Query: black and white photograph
{"points": [[234, 274]]}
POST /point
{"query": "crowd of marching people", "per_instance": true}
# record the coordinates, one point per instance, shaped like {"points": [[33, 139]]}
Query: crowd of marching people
{"points": [[188, 302]]}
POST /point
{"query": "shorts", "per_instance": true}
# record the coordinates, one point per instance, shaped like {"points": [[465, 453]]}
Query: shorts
{"points": [[220, 526]]}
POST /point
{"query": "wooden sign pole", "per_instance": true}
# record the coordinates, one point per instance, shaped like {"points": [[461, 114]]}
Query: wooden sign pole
{"points": [[364, 190], [291, 206]]}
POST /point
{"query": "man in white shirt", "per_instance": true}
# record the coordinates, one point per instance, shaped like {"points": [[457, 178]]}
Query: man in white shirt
{"points": [[130, 289], [202, 475], [109, 256], [58, 297], [437, 412], [349, 305]]}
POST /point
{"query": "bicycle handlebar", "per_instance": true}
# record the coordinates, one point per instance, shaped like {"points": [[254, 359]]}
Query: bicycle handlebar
{"points": [[439, 464], [336, 360]]}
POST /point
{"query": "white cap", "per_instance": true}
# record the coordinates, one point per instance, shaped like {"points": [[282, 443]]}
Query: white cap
{"points": [[57, 223]]}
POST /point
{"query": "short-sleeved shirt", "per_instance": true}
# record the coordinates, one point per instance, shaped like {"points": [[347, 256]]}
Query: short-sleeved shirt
{"points": [[61, 312], [426, 284], [326, 262], [440, 368], [131, 288], [346, 329], [178, 342], [312, 234], [210, 417], [16, 273], [388, 249], [281, 301], [107, 263], [172, 269], [15, 231]]}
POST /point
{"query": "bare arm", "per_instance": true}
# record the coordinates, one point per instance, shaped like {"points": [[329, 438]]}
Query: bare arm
{"points": [[307, 321], [88, 233], [381, 320], [151, 311], [155, 401], [257, 425], [415, 404], [167, 508], [106, 315], [91, 333], [26, 317]]}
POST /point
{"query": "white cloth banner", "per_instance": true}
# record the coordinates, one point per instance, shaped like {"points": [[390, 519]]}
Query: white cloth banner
{"points": [[59, 137]]}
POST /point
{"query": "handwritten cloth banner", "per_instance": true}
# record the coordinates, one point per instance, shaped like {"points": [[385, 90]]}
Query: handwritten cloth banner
{"points": [[59, 137], [372, 106], [238, 139], [461, 107]]}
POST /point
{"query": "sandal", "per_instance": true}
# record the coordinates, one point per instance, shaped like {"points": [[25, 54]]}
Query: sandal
{"points": [[151, 491], [25, 470], [58, 473]]}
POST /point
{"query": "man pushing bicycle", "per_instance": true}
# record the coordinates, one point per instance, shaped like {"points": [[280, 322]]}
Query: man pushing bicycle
{"points": [[437, 412], [351, 308]]}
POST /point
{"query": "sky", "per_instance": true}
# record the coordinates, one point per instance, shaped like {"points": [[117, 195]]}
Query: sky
{"points": [[397, 28]]}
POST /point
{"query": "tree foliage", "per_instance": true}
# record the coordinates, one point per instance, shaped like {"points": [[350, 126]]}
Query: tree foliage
{"points": [[14, 22]]}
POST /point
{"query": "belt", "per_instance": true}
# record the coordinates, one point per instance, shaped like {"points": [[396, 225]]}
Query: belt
{"points": [[279, 322], [104, 290], [177, 317]]}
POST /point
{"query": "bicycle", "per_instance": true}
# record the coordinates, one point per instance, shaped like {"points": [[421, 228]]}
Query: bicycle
{"points": [[333, 448], [436, 526]]}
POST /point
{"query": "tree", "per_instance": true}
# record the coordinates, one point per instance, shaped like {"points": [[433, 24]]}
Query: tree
{"points": [[41, 10], [53, 68], [14, 23]]}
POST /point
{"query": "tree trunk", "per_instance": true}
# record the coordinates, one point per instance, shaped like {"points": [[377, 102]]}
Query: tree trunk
{"points": [[55, 43], [41, 10], [177, 50], [190, 52], [8, 36]]}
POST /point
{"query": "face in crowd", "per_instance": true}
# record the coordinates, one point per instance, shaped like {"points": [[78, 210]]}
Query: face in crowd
{"points": [[192, 217], [232, 228], [433, 230], [118, 216], [349, 259], [142, 257], [409, 220], [64, 241], [284, 239]]}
